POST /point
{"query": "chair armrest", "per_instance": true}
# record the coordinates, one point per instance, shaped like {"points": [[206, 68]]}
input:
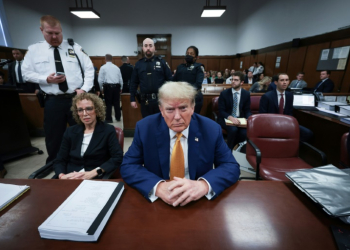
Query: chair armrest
{"points": [[258, 158], [323, 155], [41, 170]]}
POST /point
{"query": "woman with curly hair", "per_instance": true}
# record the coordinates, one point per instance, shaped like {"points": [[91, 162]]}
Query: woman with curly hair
{"points": [[89, 149]]}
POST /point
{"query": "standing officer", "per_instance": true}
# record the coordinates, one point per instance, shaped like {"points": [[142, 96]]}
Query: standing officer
{"points": [[112, 81], [192, 73], [126, 69], [53, 64], [150, 72]]}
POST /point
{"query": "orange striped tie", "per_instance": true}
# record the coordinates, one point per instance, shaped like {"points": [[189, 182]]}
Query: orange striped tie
{"points": [[177, 163]]}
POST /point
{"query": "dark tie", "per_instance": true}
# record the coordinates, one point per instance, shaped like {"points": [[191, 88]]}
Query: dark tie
{"points": [[19, 73], [297, 84], [63, 86], [281, 105], [235, 104]]}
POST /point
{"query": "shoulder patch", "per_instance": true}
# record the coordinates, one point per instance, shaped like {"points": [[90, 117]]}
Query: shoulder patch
{"points": [[84, 51]]}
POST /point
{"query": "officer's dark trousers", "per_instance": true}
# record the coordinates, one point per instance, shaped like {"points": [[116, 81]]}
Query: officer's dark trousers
{"points": [[199, 103], [234, 135], [112, 98], [150, 109], [56, 116]]}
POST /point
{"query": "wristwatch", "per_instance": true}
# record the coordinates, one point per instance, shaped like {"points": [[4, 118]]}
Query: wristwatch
{"points": [[99, 171]]}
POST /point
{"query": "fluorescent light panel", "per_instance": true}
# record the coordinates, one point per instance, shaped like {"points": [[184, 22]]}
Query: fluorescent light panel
{"points": [[213, 11], [85, 12]]}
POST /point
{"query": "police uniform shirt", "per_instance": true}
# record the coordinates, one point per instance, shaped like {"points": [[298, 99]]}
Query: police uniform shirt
{"points": [[110, 74], [39, 63], [191, 73], [16, 70], [159, 75]]}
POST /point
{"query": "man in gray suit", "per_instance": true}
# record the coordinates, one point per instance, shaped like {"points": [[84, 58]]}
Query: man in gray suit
{"points": [[299, 82]]}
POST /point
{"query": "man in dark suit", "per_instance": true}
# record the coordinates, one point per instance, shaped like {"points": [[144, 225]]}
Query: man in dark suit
{"points": [[206, 79], [272, 85], [179, 145], [234, 103], [280, 101], [126, 69], [249, 78], [326, 85], [15, 77]]}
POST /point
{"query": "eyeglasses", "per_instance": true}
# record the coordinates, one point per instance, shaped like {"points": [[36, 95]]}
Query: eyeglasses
{"points": [[88, 110]]}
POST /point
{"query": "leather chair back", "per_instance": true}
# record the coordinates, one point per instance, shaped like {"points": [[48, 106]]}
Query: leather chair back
{"points": [[277, 136], [120, 137], [344, 156], [215, 102], [254, 103]]}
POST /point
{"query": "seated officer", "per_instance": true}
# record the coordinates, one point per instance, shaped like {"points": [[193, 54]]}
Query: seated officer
{"points": [[234, 103], [179, 145]]}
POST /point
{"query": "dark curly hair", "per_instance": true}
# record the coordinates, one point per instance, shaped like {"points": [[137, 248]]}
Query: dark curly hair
{"points": [[98, 106]]}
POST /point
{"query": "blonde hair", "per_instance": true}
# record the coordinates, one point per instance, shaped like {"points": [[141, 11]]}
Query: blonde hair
{"points": [[263, 81], [177, 90], [96, 101], [50, 20]]}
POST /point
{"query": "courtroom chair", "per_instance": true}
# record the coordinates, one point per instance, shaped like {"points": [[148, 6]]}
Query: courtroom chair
{"points": [[273, 146], [39, 174], [254, 103], [215, 102], [344, 156]]}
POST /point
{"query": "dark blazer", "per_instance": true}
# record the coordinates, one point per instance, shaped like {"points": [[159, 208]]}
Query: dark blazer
{"points": [[12, 74], [269, 103], [226, 105], [217, 80], [326, 87], [103, 151], [246, 79], [147, 160], [272, 86], [126, 71]]}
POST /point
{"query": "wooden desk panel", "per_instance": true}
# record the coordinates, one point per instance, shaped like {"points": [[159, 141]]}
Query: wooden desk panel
{"points": [[130, 115], [249, 215], [33, 113]]}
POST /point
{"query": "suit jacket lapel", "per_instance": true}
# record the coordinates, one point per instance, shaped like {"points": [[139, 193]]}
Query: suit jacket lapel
{"points": [[96, 138], [194, 139], [163, 145], [275, 99]]}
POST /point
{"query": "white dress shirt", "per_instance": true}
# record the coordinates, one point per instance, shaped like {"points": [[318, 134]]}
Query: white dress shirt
{"points": [[85, 143], [229, 80], [39, 63], [238, 99], [184, 145], [250, 80], [16, 71], [279, 98], [110, 73]]}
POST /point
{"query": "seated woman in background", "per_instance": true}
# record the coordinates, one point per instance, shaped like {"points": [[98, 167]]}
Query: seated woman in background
{"points": [[213, 77], [219, 78], [261, 86], [91, 146], [226, 74], [261, 76]]}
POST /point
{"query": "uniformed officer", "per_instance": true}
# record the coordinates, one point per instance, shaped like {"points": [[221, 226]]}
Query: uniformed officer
{"points": [[53, 64], [192, 73], [112, 81], [126, 69], [150, 72]]}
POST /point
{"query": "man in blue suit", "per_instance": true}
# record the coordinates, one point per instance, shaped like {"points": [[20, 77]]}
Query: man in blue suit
{"points": [[326, 85], [280, 101], [234, 103], [181, 146]]}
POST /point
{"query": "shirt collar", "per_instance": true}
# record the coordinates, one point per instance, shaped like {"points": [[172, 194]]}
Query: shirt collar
{"points": [[173, 133], [278, 93], [49, 45], [234, 91], [324, 79]]}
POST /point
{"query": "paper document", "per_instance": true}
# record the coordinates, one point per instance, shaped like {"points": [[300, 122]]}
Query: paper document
{"points": [[242, 121], [9, 193]]}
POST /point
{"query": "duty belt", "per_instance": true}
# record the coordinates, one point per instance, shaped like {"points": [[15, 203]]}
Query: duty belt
{"points": [[146, 97]]}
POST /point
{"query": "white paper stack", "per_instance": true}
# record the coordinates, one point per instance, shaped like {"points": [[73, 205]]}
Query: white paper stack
{"points": [[330, 105], [9, 193], [83, 215]]}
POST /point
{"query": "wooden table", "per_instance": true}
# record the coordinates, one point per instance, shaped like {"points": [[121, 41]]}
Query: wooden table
{"points": [[248, 215]]}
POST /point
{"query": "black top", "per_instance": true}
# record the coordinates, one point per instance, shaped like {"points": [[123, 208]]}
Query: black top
{"points": [[191, 73], [217, 80], [126, 70]]}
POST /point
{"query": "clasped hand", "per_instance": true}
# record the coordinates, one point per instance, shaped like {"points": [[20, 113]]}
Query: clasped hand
{"points": [[181, 191], [88, 175]]}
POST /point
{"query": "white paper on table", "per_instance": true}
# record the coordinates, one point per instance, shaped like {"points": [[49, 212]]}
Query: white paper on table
{"points": [[330, 112]]}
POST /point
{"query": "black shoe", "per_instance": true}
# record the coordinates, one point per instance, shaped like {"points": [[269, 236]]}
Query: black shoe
{"points": [[3, 173], [109, 121]]}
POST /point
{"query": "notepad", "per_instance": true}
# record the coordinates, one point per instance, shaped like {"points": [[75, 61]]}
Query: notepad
{"points": [[242, 121], [84, 214], [9, 193]]}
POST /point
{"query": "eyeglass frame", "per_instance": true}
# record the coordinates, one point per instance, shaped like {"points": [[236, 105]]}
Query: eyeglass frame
{"points": [[81, 111]]}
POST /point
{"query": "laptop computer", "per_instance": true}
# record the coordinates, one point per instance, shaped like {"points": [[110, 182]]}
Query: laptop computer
{"points": [[304, 102]]}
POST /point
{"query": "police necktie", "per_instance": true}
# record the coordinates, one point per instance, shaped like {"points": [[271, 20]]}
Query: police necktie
{"points": [[177, 163], [281, 105], [19, 73], [235, 104], [63, 86]]}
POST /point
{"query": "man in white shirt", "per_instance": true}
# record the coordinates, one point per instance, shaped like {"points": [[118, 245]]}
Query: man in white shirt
{"points": [[111, 79], [53, 64], [229, 80], [179, 145]]}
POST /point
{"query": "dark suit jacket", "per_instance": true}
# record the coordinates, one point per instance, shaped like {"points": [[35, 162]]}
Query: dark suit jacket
{"points": [[269, 103], [103, 151], [326, 87], [219, 80], [147, 160], [27, 87], [12, 74], [226, 105], [272, 86], [126, 71], [246, 79]]}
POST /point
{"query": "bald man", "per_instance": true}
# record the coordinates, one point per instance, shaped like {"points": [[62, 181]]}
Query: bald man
{"points": [[150, 72]]}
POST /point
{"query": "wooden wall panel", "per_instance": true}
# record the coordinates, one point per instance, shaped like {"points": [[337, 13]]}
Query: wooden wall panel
{"points": [[338, 76], [175, 63], [312, 76], [253, 59], [246, 62], [284, 54], [296, 61], [270, 61], [261, 58], [236, 63], [226, 64], [203, 61], [214, 64]]}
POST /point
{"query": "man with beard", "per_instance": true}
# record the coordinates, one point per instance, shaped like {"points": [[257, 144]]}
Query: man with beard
{"points": [[150, 72]]}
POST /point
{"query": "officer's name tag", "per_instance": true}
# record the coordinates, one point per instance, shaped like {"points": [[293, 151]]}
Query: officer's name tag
{"points": [[158, 66], [71, 53]]}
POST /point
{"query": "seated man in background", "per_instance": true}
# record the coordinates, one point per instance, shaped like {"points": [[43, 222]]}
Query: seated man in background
{"points": [[182, 146], [229, 79], [249, 78], [326, 85], [280, 101], [206, 79], [299, 82], [234, 103]]}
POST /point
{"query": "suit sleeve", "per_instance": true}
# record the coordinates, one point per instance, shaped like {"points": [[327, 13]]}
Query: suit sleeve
{"points": [[263, 105], [222, 103], [12, 68], [246, 107], [132, 170], [62, 159], [134, 83], [289, 106], [226, 171], [329, 87]]}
